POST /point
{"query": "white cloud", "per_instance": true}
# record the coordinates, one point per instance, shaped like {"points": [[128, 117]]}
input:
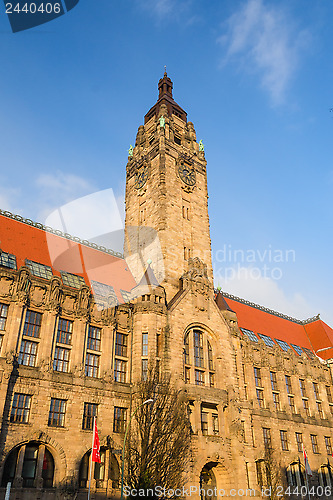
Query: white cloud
{"points": [[9, 198], [164, 9], [250, 284], [58, 189], [263, 39]]}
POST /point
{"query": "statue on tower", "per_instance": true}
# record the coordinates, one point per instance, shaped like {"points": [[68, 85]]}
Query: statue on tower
{"points": [[130, 151], [201, 146]]}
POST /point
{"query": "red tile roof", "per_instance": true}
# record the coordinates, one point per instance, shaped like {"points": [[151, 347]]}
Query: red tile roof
{"points": [[61, 254], [312, 334]]}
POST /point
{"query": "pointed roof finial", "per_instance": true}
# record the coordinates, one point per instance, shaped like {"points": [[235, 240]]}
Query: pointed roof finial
{"points": [[165, 72]]}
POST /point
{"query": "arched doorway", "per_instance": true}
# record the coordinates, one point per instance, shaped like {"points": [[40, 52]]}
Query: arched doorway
{"points": [[107, 470], [208, 482], [30, 465]]}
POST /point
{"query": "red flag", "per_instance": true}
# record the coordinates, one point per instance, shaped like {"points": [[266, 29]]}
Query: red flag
{"points": [[306, 463], [96, 457]]}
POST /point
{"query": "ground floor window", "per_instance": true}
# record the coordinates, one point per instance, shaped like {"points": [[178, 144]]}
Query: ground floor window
{"points": [[108, 469], [30, 465]]}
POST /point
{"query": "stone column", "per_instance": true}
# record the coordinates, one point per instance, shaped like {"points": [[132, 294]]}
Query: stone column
{"points": [[18, 481], [38, 482]]}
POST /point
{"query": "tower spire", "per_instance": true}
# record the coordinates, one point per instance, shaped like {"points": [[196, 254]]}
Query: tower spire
{"points": [[165, 96]]}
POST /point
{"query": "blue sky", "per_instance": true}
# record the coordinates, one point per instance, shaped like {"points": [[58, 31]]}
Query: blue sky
{"points": [[255, 79]]}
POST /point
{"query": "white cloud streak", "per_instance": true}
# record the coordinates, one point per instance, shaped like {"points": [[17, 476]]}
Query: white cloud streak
{"points": [[263, 38]]}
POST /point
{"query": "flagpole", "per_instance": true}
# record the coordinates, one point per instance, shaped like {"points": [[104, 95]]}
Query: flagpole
{"points": [[91, 456], [306, 472]]}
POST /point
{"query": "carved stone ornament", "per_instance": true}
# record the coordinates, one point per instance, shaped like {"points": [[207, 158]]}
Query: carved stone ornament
{"points": [[23, 285], [38, 294], [6, 286], [55, 293]]}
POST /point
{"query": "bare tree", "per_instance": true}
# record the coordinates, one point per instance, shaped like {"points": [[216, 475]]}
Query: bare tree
{"points": [[271, 475], [158, 451]]}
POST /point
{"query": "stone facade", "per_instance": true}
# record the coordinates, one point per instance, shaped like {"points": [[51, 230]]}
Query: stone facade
{"points": [[65, 358]]}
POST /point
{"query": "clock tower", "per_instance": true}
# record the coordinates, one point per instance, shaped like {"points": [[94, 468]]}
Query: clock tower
{"points": [[166, 195]]}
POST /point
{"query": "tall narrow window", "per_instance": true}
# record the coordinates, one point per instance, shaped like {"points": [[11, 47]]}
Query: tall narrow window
{"points": [[187, 349], [302, 387], [328, 445], [32, 324], [64, 333], [20, 408], [314, 443], [199, 377], [316, 390], [259, 390], [273, 381], [144, 373], [267, 438], [89, 412], [210, 356], [215, 420], [3, 315], [306, 407], [61, 359], [288, 384], [284, 440], [204, 423], [57, 412], [119, 420], [121, 344], [145, 344], [198, 349], [28, 353], [94, 338], [92, 365], [120, 371], [257, 377], [299, 441]]}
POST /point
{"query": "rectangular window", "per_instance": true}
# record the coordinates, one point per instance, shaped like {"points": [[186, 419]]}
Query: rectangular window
{"points": [[1, 340], [39, 270], [288, 384], [276, 400], [299, 441], [257, 377], [314, 443], [204, 423], [273, 381], [260, 398], [291, 401], [120, 371], [28, 353], [306, 407], [144, 367], [32, 324], [106, 291], [187, 375], [121, 344], [210, 356], [92, 365], [316, 390], [328, 445], [284, 440], [20, 408], [94, 338], [3, 315], [89, 412], [187, 350], [328, 392], [65, 329], [8, 260], [61, 359], [215, 420], [211, 380], [302, 387], [72, 280], [57, 412], [199, 377], [145, 344], [198, 349], [320, 409], [267, 437], [119, 420]]}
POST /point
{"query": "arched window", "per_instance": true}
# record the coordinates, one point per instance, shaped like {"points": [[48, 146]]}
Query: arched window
{"points": [[198, 358], [295, 475], [107, 470], [36, 469], [326, 476]]}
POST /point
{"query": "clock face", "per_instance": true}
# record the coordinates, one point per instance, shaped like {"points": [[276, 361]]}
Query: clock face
{"points": [[187, 174], [141, 176]]}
